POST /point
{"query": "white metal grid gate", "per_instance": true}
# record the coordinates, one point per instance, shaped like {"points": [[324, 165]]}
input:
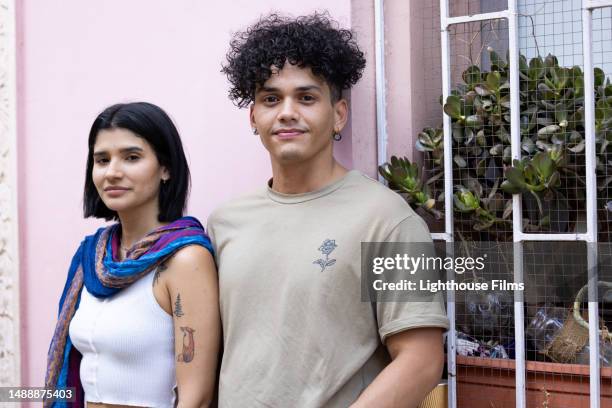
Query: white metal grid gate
{"points": [[519, 236]]}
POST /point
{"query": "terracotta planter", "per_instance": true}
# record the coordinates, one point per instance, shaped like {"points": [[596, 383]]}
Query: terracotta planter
{"points": [[490, 383]]}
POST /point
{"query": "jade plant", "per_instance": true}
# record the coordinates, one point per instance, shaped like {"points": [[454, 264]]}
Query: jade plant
{"points": [[405, 178], [550, 174]]}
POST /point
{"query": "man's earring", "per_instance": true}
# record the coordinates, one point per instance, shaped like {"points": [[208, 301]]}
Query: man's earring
{"points": [[336, 136], [255, 132]]}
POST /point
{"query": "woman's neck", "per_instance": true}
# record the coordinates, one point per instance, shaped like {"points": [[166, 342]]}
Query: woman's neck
{"points": [[135, 225]]}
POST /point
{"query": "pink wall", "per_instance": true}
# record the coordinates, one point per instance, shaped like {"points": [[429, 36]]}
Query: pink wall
{"points": [[75, 58]]}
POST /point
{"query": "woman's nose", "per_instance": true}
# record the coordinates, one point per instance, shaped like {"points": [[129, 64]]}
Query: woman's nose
{"points": [[114, 169]]}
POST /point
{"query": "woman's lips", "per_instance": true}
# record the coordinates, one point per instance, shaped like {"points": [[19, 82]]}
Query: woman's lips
{"points": [[115, 192]]}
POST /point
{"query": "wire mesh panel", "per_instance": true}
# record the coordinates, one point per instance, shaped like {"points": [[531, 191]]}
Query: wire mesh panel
{"points": [[471, 7], [602, 60], [429, 146], [551, 179], [552, 115]]}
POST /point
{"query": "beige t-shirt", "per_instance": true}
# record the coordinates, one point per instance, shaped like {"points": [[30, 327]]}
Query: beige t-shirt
{"points": [[295, 331]]}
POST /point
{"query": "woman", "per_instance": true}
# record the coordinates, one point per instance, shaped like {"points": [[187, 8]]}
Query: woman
{"points": [[139, 320]]}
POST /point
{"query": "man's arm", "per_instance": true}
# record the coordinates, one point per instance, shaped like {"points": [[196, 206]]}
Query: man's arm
{"points": [[418, 360]]}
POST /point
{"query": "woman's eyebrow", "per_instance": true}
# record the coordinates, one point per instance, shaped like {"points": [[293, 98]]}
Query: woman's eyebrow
{"points": [[131, 149]]}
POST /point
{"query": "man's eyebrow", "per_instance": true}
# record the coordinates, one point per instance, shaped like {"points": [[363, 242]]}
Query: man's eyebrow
{"points": [[131, 149], [304, 88], [309, 88], [266, 89]]}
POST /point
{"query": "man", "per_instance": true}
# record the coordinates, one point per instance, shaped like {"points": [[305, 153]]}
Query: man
{"points": [[296, 333]]}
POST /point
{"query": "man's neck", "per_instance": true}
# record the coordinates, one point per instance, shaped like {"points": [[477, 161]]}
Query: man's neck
{"points": [[298, 178]]}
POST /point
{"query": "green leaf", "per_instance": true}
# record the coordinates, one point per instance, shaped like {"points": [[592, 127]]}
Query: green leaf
{"points": [[507, 155], [523, 66], [497, 150], [505, 101], [516, 178], [509, 188], [481, 140], [474, 121], [543, 164], [507, 209], [546, 91], [452, 107], [482, 91], [579, 87], [536, 68], [471, 75], [554, 180], [458, 132], [495, 59], [600, 77], [543, 146], [493, 81], [551, 61], [545, 132], [503, 135], [481, 167], [459, 161], [561, 117], [527, 145], [603, 184]]}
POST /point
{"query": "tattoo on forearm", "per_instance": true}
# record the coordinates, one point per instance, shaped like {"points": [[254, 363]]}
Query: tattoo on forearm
{"points": [[188, 347], [162, 267], [178, 306]]}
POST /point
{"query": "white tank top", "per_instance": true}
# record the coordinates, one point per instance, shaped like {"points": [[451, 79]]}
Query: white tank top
{"points": [[127, 342]]}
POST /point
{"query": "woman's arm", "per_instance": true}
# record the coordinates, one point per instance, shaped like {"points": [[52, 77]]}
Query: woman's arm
{"points": [[192, 286]]}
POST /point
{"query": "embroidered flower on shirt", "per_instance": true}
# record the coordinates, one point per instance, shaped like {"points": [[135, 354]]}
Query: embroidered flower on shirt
{"points": [[326, 248]]}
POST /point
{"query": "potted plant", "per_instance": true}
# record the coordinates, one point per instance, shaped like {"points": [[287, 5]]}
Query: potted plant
{"points": [[550, 178]]}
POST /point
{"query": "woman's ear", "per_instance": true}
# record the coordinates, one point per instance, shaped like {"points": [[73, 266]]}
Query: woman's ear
{"points": [[165, 174]]}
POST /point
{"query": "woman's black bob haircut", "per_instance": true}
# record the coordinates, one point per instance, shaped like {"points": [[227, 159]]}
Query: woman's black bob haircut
{"points": [[151, 123], [314, 41]]}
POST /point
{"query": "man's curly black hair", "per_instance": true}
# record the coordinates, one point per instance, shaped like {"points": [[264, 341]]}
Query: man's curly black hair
{"points": [[313, 41]]}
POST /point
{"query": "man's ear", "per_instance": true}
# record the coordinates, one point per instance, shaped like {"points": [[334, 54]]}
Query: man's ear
{"points": [[252, 116], [340, 114]]}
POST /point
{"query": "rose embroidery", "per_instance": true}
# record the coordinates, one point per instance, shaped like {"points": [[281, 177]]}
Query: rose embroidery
{"points": [[326, 248]]}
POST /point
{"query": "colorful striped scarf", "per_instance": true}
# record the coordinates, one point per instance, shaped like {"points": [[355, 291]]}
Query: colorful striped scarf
{"points": [[95, 265]]}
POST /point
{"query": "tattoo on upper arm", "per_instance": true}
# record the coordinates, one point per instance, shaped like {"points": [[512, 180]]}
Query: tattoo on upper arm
{"points": [[178, 306], [162, 267], [188, 346]]}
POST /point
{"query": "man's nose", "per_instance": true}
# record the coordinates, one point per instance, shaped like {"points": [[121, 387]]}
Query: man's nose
{"points": [[289, 111]]}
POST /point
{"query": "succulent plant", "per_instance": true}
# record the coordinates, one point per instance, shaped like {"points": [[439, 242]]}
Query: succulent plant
{"points": [[432, 140], [552, 144], [405, 178]]}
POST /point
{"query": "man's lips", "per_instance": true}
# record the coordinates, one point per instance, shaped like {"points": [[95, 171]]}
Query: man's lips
{"points": [[288, 133]]}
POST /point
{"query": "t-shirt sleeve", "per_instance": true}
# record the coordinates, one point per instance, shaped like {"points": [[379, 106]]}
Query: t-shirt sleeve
{"points": [[210, 231], [398, 315]]}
